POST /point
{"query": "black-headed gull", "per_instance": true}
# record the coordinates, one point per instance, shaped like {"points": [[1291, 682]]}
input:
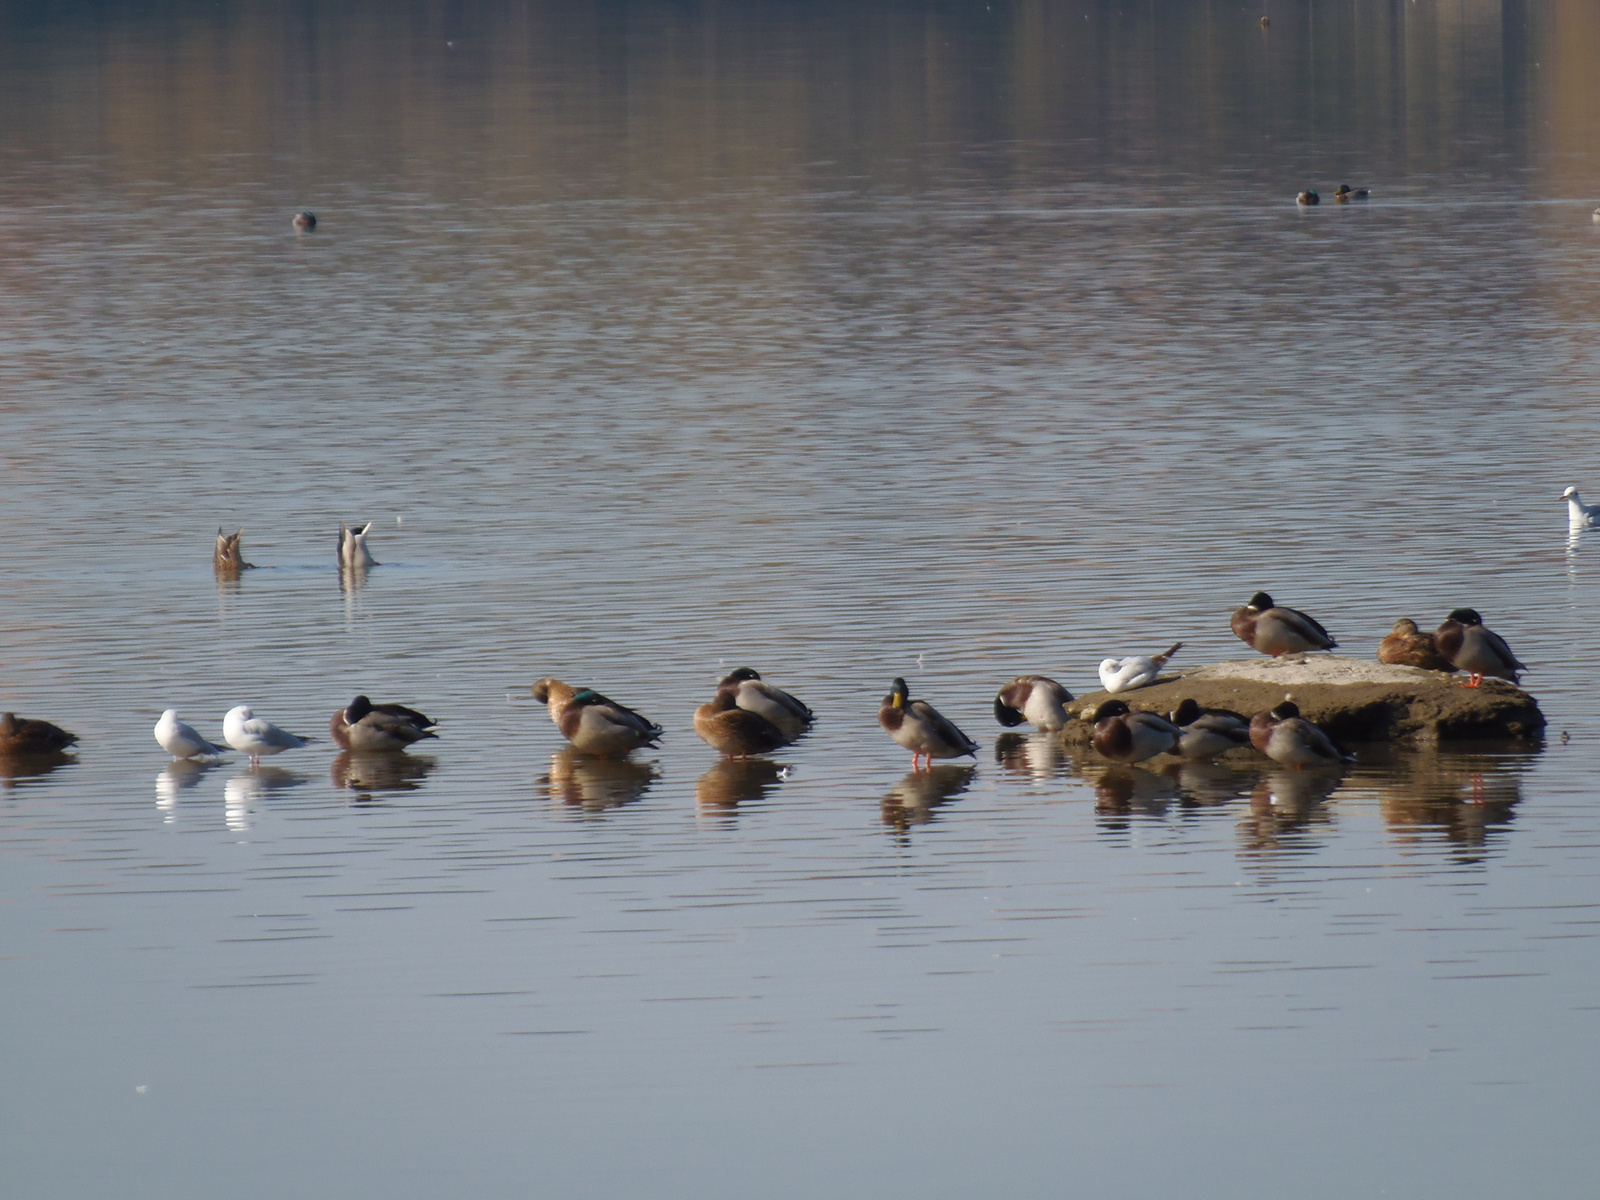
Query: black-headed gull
{"points": [[251, 735], [1579, 513], [180, 740], [1125, 674]]}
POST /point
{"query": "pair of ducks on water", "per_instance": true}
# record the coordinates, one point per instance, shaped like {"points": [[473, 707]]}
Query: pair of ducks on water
{"points": [[353, 554], [1343, 194], [361, 726]]}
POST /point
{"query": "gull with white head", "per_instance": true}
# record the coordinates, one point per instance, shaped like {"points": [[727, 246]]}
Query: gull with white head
{"points": [[1579, 514], [181, 741], [1125, 674], [250, 734]]}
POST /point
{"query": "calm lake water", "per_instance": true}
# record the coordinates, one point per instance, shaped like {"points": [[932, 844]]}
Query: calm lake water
{"points": [[843, 341]]}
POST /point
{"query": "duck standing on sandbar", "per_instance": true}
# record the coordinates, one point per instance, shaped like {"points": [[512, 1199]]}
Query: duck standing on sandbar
{"points": [[1266, 627], [1478, 651], [1408, 646], [920, 727]]}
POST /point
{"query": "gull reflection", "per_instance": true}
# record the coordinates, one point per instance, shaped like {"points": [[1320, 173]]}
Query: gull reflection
{"points": [[731, 782], [14, 767], [244, 791], [179, 775], [365, 774], [912, 800], [1286, 806], [589, 787], [1037, 756]]}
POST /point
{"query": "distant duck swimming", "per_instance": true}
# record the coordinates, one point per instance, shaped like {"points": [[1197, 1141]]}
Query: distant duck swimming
{"points": [[1408, 646], [1470, 647], [1308, 198], [1037, 699], [353, 552], [304, 221], [181, 741], [228, 557], [920, 727], [604, 728], [1344, 193], [735, 731], [1286, 737], [753, 694], [255, 736], [1579, 513], [365, 726], [1263, 626], [1125, 674], [1125, 736], [25, 735]]}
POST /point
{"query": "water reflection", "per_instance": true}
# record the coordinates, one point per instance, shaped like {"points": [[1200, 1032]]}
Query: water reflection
{"points": [[913, 800], [1121, 789], [589, 787], [734, 781], [1462, 798], [1037, 756], [1212, 782], [244, 791], [177, 777], [15, 767], [365, 774], [1287, 814]]}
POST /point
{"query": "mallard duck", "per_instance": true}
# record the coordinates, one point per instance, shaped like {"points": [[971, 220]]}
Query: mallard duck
{"points": [[304, 221], [1284, 736], [734, 731], [25, 735], [1264, 626], [367, 726], [353, 552], [1034, 698], [1469, 647], [1308, 197], [1579, 513], [604, 728], [1128, 737], [1207, 732], [252, 735], [753, 694], [555, 695], [180, 740], [228, 557], [1344, 193], [918, 726], [1125, 674], [1408, 646]]}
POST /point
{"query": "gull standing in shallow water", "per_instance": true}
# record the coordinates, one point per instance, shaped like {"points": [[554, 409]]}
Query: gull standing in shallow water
{"points": [[258, 738], [180, 740], [1125, 674]]}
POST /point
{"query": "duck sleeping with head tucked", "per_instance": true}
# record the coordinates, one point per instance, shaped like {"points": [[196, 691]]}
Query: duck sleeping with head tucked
{"points": [[1408, 646], [1037, 699], [1265, 626], [604, 728], [1470, 647], [1286, 737]]}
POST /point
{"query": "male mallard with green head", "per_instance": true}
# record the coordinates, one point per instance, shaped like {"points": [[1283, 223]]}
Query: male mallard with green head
{"points": [[1271, 629], [1204, 733], [1286, 737], [604, 728], [365, 726], [919, 727], [1125, 736], [754, 694], [1468, 646], [1037, 699]]}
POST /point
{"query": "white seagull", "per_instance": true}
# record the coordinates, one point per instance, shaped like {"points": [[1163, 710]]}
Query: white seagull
{"points": [[1125, 674], [251, 735], [1580, 514], [353, 552], [181, 741]]}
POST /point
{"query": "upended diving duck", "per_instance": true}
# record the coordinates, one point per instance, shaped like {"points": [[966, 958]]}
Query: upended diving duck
{"points": [[228, 557], [1408, 646], [367, 727], [1036, 699], [1468, 646], [1265, 626], [753, 694], [353, 552], [1286, 737], [920, 727], [1125, 736]]}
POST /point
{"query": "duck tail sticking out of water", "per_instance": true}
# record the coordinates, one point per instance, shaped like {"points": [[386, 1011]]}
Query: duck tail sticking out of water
{"points": [[229, 554], [353, 552]]}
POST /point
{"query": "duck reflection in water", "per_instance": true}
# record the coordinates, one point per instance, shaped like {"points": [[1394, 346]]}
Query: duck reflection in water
{"points": [[1039, 756], [586, 786], [1206, 783], [366, 773], [735, 781], [1123, 789], [1285, 807], [912, 801], [1460, 797], [17, 767], [244, 791], [179, 776]]}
